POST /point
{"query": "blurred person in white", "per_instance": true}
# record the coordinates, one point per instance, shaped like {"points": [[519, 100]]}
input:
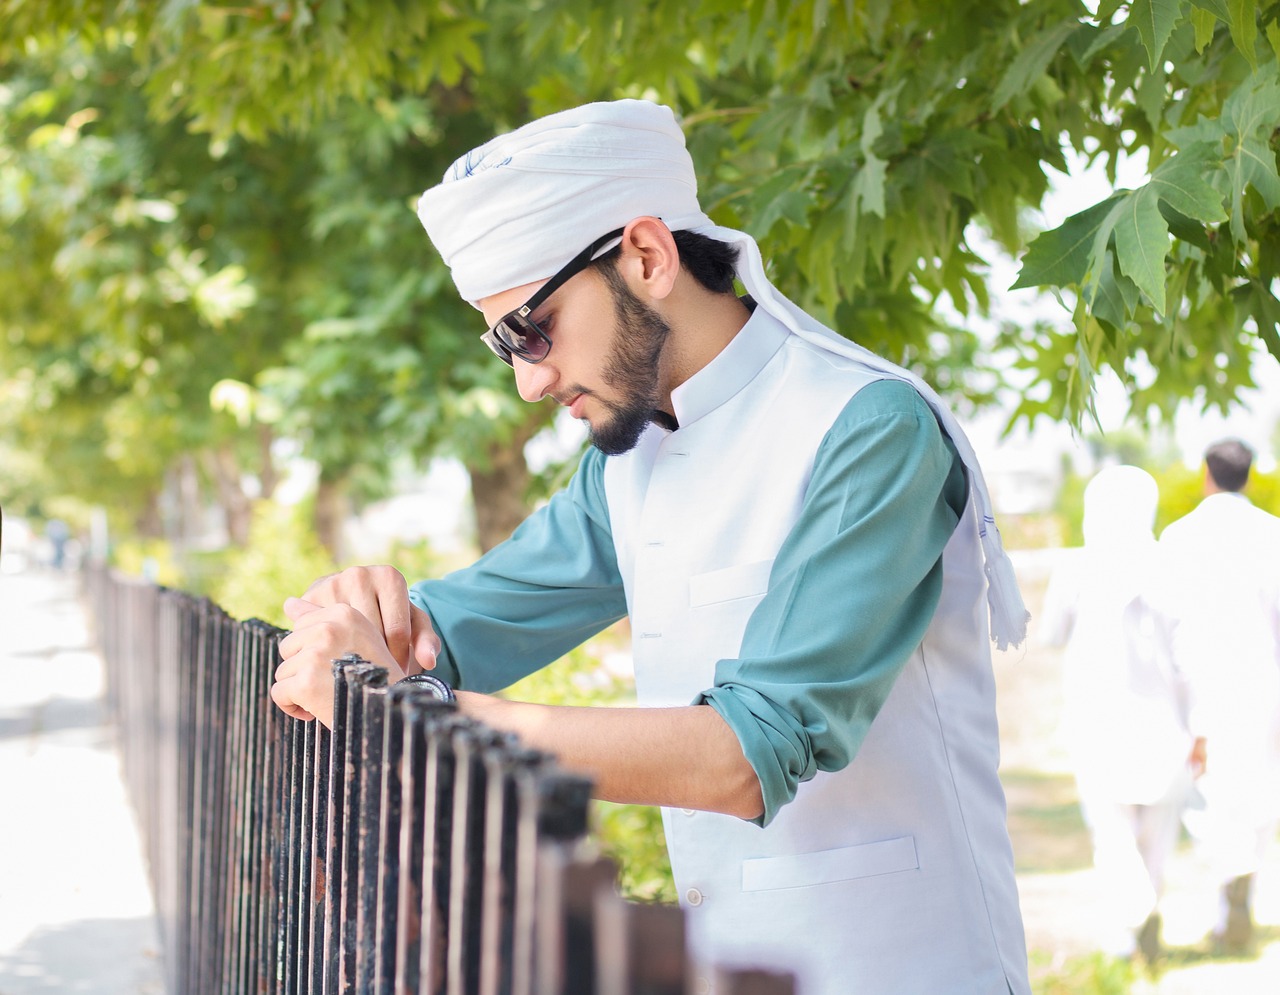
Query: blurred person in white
{"points": [[1220, 571], [1124, 702]]}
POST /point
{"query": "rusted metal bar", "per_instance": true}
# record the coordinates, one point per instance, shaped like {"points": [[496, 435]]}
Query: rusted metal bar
{"points": [[317, 882], [373, 712]]}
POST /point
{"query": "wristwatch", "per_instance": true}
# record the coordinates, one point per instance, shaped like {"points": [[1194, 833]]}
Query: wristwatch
{"points": [[432, 685]]}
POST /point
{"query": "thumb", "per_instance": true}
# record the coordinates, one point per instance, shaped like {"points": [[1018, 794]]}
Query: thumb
{"points": [[295, 608], [423, 640]]}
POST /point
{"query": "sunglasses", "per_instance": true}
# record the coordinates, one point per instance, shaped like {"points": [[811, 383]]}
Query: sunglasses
{"points": [[516, 333]]}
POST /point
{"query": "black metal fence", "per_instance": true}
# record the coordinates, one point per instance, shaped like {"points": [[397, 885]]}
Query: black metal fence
{"points": [[410, 850]]}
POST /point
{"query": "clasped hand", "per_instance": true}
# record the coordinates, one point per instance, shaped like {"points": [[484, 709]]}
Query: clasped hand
{"points": [[361, 610]]}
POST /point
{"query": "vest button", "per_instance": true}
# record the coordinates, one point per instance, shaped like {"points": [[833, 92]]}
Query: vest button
{"points": [[702, 986], [693, 896]]}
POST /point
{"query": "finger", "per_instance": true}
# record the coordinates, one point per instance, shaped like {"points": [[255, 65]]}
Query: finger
{"points": [[307, 691], [288, 667], [295, 608], [426, 644], [380, 594], [318, 585], [280, 695], [394, 610], [355, 586]]}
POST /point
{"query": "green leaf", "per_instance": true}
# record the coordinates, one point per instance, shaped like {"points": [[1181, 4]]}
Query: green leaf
{"points": [[1204, 23], [1218, 8], [1152, 95], [1258, 163], [868, 186], [793, 205], [1142, 243], [1155, 21], [1252, 165], [1183, 228], [1273, 36], [1115, 297], [1087, 42], [1265, 309], [1061, 257], [1254, 106], [1030, 64], [1209, 130], [1244, 28], [1180, 182]]}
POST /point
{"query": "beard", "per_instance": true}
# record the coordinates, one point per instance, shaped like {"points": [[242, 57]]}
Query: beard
{"points": [[631, 370]]}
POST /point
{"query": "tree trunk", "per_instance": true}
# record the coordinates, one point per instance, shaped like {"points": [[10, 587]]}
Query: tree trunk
{"points": [[330, 512], [267, 474], [499, 490], [150, 521], [224, 469]]}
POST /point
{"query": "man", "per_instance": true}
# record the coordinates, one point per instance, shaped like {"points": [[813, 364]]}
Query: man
{"points": [[1221, 564], [798, 538], [1123, 704]]}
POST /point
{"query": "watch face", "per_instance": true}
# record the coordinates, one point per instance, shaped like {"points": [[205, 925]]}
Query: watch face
{"points": [[432, 685]]}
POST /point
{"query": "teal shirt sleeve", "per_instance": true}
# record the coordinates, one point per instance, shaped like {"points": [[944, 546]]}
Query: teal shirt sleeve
{"points": [[533, 598], [851, 593]]}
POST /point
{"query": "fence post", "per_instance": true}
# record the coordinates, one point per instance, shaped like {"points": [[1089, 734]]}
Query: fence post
{"points": [[754, 983], [640, 949]]}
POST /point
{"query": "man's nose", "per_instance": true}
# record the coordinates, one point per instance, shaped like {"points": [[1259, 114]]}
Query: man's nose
{"points": [[534, 380]]}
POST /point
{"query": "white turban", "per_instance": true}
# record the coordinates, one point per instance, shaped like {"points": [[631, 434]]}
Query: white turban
{"points": [[1120, 505], [519, 207], [522, 205]]}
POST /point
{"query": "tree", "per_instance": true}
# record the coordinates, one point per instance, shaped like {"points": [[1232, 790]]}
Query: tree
{"points": [[146, 273], [866, 143]]}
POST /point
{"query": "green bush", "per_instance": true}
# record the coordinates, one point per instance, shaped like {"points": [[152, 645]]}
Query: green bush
{"points": [[282, 558], [150, 558], [632, 836]]}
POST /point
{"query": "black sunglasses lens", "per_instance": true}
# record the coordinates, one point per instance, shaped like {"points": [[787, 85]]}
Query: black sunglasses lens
{"points": [[497, 347], [522, 337]]}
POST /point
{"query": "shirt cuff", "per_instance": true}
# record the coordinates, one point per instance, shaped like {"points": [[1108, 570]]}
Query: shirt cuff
{"points": [[774, 743]]}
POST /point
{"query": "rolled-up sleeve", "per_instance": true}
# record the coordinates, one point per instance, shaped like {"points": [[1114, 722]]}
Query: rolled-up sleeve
{"points": [[850, 595], [533, 598]]}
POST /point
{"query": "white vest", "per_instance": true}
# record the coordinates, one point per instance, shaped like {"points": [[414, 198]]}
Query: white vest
{"points": [[894, 875]]}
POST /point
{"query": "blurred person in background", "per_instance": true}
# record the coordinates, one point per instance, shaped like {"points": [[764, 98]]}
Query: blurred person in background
{"points": [[57, 533], [1124, 703], [1220, 568]]}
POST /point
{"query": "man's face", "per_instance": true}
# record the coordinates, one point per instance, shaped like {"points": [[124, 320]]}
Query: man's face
{"points": [[604, 363]]}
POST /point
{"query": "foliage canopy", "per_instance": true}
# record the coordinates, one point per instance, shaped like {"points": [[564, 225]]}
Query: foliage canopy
{"points": [[199, 194]]}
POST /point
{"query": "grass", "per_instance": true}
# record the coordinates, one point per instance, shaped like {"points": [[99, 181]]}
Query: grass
{"points": [[1087, 974], [1045, 826]]}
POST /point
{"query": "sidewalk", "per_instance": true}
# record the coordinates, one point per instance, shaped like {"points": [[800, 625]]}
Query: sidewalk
{"points": [[75, 905]]}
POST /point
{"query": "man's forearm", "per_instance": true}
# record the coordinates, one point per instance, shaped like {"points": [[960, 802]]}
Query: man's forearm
{"points": [[685, 757]]}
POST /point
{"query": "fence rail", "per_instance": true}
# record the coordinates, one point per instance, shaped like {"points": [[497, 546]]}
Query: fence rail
{"points": [[409, 850]]}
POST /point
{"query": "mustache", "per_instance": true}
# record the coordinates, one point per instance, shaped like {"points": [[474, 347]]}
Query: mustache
{"points": [[566, 397]]}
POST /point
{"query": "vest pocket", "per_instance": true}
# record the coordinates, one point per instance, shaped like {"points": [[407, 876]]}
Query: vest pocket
{"points": [[747, 580], [804, 870]]}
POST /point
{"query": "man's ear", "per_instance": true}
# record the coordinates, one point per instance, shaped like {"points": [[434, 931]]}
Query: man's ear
{"points": [[649, 261]]}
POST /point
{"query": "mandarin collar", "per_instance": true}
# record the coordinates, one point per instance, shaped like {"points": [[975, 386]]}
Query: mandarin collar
{"points": [[737, 365]]}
